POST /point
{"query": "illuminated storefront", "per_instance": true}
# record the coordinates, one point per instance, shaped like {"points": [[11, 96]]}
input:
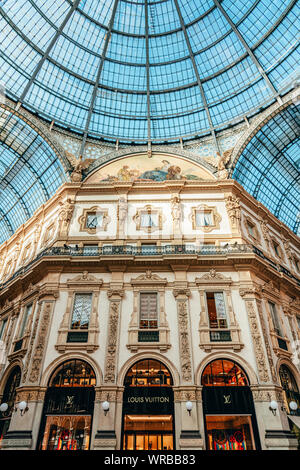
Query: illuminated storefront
{"points": [[68, 408], [148, 407], [229, 414]]}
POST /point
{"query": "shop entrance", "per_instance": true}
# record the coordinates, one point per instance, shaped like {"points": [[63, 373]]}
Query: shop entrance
{"points": [[228, 407], [148, 432], [68, 408], [148, 407]]}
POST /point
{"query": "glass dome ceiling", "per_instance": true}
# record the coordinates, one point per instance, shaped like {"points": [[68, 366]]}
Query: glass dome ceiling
{"points": [[30, 173], [148, 70], [269, 166]]}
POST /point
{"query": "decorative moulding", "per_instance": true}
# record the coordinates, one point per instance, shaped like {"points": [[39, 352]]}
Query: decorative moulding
{"points": [[148, 279], [204, 209], [213, 276], [97, 211], [154, 213]]}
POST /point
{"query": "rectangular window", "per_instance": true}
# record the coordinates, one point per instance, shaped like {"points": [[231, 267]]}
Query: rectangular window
{"points": [[94, 220], [251, 230], [216, 310], [148, 310], [27, 312], [275, 319], [276, 248], [204, 219], [149, 219], [81, 311], [2, 328]]}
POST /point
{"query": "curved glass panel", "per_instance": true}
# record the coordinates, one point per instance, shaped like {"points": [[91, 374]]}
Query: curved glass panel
{"points": [[146, 69], [269, 167], [223, 372], [148, 373], [30, 173], [73, 373]]}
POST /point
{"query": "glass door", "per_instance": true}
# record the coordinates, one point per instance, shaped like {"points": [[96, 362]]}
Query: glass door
{"points": [[148, 432]]}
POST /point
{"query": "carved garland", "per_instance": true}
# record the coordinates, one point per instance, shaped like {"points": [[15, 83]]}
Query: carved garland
{"points": [[181, 296], [257, 343], [41, 343], [111, 348]]}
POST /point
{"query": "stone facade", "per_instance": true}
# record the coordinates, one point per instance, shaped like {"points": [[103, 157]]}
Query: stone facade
{"points": [[177, 261]]}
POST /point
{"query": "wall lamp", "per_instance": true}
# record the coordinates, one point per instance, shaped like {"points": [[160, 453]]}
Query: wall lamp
{"points": [[3, 409], [189, 406], [105, 407], [23, 407], [293, 405], [273, 406]]}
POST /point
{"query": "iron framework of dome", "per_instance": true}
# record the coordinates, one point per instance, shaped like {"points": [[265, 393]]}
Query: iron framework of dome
{"points": [[142, 71]]}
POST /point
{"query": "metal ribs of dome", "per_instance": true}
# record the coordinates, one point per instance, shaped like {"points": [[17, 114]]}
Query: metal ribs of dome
{"points": [[148, 70], [30, 173], [268, 168]]}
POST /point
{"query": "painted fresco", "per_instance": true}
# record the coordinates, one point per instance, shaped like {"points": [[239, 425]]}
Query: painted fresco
{"points": [[157, 168]]}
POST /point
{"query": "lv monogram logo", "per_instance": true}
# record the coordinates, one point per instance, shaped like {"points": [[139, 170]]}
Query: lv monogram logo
{"points": [[227, 399], [70, 401]]}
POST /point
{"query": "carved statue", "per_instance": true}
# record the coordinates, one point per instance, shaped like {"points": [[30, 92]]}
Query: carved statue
{"points": [[122, 213], [221, 163], [78, 166], [234, 211], [65, 216], [176, 209]]}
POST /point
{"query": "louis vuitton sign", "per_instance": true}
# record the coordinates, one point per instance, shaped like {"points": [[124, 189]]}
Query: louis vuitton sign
{"points": [[148, 399]]}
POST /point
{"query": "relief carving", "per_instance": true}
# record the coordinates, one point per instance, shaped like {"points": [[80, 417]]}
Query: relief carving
{"points": [[184, 341], [257, 343], [41, 343], [234, 212], [65, 216], [111, 348]]}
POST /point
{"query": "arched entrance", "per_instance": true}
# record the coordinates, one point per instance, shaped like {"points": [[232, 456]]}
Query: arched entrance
{"points": [[68, 408], [229, 414], [9, 396], [290, 389], [148, 407]]}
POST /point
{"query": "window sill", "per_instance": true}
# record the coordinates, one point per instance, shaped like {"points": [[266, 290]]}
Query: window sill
{"points": [[234, 344], [88, 347]]}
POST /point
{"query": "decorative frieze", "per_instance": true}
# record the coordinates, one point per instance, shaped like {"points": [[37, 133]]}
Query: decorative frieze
{"points": [[115, 297], [181, 295], [266, 340], [257, 342], [31, 343], [38, 355]]}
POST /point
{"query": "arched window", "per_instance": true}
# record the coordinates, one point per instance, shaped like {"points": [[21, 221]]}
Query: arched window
{"points": [[223, 372], [73, 373], [148, 373], [9, 396], [12, 384], [290, 388]]}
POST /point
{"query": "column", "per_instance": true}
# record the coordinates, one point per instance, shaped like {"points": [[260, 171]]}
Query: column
{"points": [[105, 437]]}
